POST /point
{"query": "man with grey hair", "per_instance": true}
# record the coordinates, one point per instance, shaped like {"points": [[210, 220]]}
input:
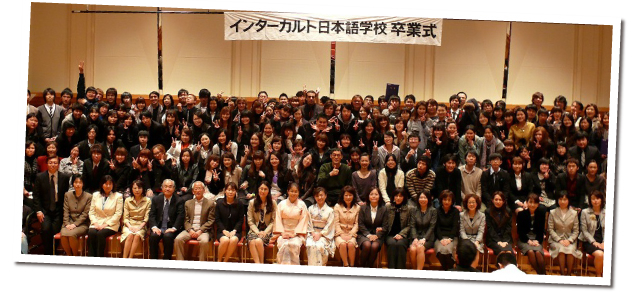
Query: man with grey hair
{"points": [[199, 218], [166, 218]]}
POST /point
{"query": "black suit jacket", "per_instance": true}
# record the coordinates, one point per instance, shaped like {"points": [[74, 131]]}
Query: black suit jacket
{"points": [[365, 226], [411, 164], [107, 155], [448, 181], [524, 222], [591, 153], [527, 187], [176, 212], [489, 185], [41, 196], [91, 181]]}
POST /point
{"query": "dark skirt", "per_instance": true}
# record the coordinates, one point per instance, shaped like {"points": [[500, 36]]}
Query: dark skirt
{"points": [[589, 248], [525, 247], [361, 238], [497, 249]]}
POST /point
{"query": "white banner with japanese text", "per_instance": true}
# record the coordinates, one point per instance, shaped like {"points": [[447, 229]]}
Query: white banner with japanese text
{"points": [[308, 27]]}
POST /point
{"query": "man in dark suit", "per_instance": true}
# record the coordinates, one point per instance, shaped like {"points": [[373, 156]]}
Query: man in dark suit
{"points": [[142, 144], [572, 183], [165, 224], [48, 199], [311, 109], [583, 149], [154, 129], [94, 169], [495, 179], [409, 160]]}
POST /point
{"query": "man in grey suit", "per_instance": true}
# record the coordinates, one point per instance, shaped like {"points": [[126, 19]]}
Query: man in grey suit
{"points": [[199, 218], [50, 116]]}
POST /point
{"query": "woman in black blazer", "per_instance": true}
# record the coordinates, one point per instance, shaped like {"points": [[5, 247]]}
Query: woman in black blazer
{"points": [[446, 230], [499, 224], [531, 228], [519, 193], [423, 220], [396, 229], [370, 233], [229, 217]]}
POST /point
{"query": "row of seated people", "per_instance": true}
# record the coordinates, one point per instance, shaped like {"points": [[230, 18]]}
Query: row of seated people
{"points": [[412, 226]]}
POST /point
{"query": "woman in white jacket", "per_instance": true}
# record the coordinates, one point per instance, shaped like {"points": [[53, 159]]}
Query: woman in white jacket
{"points": [[105, 213], [178, 145], [390, 178]]}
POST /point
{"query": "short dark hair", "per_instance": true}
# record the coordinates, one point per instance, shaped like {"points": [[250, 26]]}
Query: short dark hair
{"points": [[466, 253], [204, 93], [454, 96], [143, 133], [506, 258], [494, 156]]}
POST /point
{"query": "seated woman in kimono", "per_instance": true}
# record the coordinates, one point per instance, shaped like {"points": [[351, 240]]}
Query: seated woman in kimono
{"points": [[320, 241], [291, 224]]}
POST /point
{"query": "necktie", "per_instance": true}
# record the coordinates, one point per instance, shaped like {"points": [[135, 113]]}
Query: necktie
{"points": [[94, 171], [454, 115], [582, 158], [53, 193], [50, 111], [165, 215], [494, 176]]}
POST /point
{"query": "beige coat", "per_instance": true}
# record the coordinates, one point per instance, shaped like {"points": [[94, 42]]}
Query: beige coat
{"points": [[109, 214], [254, 217]]}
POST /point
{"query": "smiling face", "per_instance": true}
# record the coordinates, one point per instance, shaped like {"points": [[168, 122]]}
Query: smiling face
{"points": [[497, 201], [472, 204], [423, 201], [263, 191], [293, 193], [348, 198]]}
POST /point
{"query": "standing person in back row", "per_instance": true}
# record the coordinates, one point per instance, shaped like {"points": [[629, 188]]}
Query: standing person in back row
{"points": [[49, 116]]}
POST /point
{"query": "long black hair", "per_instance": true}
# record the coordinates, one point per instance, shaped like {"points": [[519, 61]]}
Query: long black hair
{"points": [[269, 200]]}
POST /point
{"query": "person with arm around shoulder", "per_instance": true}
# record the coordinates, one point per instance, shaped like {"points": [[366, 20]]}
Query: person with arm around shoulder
{"points": [[106, 208]]}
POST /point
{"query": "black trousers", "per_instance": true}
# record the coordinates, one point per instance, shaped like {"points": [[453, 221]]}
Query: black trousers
{"points": [[51, 225], [97, 241], [168, 244], [397, 252]]}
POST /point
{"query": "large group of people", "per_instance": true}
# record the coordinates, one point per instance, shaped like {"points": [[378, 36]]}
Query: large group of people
{"points": [[304, 171]]}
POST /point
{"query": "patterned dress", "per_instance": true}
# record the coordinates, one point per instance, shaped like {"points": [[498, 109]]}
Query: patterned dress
{"points": [[290, 217], [321, 220]]}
